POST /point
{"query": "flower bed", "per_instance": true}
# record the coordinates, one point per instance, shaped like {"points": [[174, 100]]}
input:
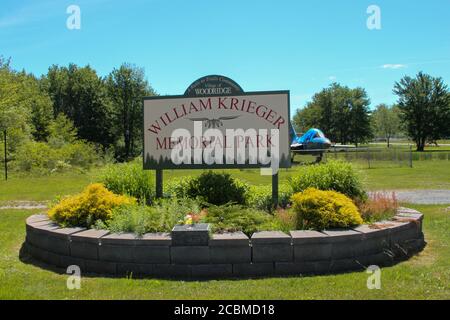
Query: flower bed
{"points": [[216, 225], [227, 254]]}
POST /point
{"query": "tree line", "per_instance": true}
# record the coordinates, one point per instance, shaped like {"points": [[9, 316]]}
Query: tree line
{"points": [[105, 111], [422, 112]]}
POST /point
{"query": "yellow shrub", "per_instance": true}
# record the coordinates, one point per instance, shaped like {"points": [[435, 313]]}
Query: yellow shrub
{"points": [[317, 209], [83, 209]]}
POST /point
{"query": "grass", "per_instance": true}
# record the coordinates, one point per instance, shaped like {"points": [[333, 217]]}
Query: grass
{"points": [[425, 276], [423, 175], [433, 174], [43, 188]]}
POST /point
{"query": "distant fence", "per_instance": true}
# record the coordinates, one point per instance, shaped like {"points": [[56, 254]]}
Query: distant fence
{"points": [[374, 157]]}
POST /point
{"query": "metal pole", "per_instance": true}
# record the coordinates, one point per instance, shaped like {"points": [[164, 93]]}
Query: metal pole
{"points": [[6, 160], [159, 183], [275, 190], [410, 156]]}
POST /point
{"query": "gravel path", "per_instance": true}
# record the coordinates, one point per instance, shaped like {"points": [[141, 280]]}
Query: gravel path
{"points": [[19, 204], [410, 196], [422, 196]]}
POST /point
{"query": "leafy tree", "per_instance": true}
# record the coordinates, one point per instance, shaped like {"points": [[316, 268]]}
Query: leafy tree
{"points": [[24, 107], [25, 110], [38, 105], [325, 101], [13, 106], [305, 118], [342, 113], [424, 103], [360, 129], [62, 131], [41, 117], [386, 121], [82, 96], [127, 86], [8, 93]]}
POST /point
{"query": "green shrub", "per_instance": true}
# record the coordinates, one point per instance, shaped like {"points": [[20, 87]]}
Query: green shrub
{"points": [[232, 218], [61, 152], [317, 209], [160, 217], [35, 156], [62, 131], [260, 197], [130, 179], [42, 158], [84, 209], [178, 187], [211, 187], [80, 154], [333, 175]]}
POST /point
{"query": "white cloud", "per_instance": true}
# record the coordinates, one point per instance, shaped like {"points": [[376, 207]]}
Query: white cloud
{"points": [[393, 66], [332, 78]]}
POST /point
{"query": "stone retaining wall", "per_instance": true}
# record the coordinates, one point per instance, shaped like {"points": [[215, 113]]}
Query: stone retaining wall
{"points": [[226, 255]]}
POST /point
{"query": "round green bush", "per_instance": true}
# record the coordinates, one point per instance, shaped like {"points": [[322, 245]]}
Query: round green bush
{"points": [[260, 197], [212, 187], [317, 209], [177, 187], [130, 179], [333, 175]]}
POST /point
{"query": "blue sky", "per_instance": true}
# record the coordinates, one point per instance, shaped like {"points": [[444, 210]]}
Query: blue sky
{"points": [[301, 46]]}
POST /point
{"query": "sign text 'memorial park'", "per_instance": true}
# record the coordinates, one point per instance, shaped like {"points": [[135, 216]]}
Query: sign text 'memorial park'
{"points": [[217, 125]]}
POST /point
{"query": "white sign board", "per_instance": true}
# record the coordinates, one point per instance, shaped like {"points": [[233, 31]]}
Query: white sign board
{"points": [[253, 122]]}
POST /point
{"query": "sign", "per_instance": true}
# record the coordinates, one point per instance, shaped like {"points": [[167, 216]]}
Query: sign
{"points": [[213, 85], [217, 125]]}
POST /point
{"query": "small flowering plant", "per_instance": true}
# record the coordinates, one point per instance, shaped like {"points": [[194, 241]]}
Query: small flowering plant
{"points": [[188, 219], [192, 217]]}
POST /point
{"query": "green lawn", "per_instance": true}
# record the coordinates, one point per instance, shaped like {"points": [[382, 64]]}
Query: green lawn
{"points": [[425, 276], [423, 175], [433, 174], [43, 188]]}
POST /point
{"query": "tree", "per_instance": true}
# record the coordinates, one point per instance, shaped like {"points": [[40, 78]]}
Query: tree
{"points": [[82, 96], [22, 109], [342, 113], [360, 129], [386, 121], [25, 108], [305, 119], [61, 132], [127, 86], [424, 104], [11, 112]]}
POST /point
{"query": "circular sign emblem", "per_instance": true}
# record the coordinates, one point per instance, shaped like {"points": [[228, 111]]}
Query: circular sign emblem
{"points": [[213, 85]]}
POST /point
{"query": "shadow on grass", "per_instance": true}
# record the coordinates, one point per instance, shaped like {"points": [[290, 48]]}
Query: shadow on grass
{"points": [[26, 258]]}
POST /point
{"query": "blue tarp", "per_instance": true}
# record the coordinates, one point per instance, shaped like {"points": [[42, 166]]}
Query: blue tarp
{"points": [[307, 137], [310, 135]]}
